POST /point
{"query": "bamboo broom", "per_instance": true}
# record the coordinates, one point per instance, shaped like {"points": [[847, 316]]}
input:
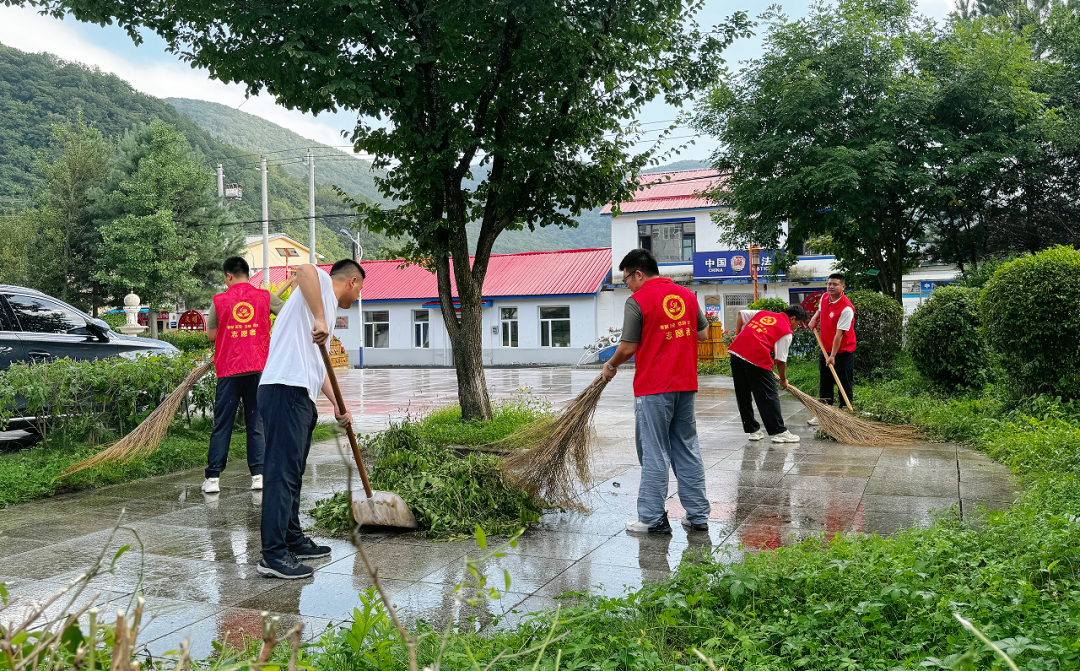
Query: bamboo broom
{"points": [[147, 436], [555, 465], [851, 430]]}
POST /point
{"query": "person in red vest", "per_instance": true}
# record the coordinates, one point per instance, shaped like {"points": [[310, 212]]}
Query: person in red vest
{"points": [[767, 335], [837, 318], [662, 326], [239, 325]]}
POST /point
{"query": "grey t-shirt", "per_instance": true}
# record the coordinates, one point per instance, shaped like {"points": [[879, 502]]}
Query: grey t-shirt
{"points": [[632, 321]]}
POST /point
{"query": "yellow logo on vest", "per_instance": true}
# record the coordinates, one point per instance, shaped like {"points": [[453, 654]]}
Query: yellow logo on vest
{"points": [[767, 320], [243, 312], [674, 306]]}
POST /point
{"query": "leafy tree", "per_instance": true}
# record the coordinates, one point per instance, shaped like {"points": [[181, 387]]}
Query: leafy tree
{"points": [[861, 124], [65, 238], [160, 221], [535, 92]]}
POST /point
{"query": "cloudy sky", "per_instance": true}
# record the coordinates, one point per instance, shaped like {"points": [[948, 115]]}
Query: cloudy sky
{"points": [[150, 69]]}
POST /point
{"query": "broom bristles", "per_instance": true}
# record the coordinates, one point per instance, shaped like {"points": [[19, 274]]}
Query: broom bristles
{"points": [[556, 466], [852, 430], [145, 438]]}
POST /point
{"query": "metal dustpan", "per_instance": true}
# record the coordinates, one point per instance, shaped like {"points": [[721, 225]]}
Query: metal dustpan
{"points": [[384, 509]]}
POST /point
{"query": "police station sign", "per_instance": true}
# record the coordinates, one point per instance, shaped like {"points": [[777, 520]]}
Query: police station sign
{"points": [[736, 265]]}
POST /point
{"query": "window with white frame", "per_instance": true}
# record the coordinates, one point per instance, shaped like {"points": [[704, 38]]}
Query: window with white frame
{"points": [[377, 329], [669, 242], [420, 329], [555, 327], [509, 327]]}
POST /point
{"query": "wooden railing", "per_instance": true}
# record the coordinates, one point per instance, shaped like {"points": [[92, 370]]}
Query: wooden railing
{"points": [[714, 348]]}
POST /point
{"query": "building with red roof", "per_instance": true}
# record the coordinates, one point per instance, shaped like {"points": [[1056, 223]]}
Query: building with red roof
{"points": [[539, 308]]}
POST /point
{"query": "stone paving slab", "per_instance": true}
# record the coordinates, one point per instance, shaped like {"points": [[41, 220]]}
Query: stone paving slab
{"points": [[193, 555]]}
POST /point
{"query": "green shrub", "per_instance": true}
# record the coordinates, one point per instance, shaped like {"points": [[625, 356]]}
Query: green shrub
{"points": [[717, 367], [976, 277], [944, 340], [879, 328], [771, 304], [90, 400], [192, 342], [1030, 311], [114, 319]]}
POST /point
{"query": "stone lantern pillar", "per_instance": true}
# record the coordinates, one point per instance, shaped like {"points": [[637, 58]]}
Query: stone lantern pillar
{"points": [[131, 311]]}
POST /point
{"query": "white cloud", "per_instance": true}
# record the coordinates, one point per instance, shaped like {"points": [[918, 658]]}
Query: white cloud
{"points": [[161, 75]]}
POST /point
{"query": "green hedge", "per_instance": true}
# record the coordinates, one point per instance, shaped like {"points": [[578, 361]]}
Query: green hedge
{"points": [[114, 320], [771, 304], [1030, 310], [944, 340], [192, 342], [92, 400], [879, 328]]}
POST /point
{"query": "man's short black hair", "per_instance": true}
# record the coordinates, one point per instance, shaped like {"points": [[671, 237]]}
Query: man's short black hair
{"points": [[236, 265], [347, 268], [797, 312], [838, 276], [639, 259]]}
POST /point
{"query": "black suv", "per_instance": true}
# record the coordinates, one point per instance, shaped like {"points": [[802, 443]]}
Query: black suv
{"points": [[36, 327]]}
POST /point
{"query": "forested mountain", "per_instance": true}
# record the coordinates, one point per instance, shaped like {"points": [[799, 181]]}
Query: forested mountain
{"points": [[39, 91], [258, 136]]}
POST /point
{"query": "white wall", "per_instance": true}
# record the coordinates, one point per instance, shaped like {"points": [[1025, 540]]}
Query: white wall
{"points": [[624, 237], [583, 331]]}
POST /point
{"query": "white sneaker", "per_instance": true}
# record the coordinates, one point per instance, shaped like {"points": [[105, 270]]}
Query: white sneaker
{"points": [[757, 435], [785, 437], [813, 421], [256, 482], [211, 485], [637, 527]]}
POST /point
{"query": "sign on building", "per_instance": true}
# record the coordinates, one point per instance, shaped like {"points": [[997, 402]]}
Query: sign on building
{"points": [[727, 265]]}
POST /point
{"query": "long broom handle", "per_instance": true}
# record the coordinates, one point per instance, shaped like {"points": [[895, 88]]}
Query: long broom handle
{"points": [[836, 377], [348, 429]]}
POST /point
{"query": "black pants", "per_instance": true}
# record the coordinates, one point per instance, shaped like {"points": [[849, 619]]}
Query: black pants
{"points": [[289, 418], [230, 391], [845, 370], [759, 383]]}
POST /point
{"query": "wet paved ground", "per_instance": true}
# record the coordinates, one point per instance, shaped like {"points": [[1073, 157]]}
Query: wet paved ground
{"points": [[197, 564]]}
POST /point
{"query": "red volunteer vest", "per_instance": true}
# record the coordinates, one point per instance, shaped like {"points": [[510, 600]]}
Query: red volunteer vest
{"points": [[243, 337], [830, 315], [666, 357], [756, 341]]}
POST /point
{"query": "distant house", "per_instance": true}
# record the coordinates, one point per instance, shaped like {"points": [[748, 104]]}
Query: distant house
{"points": [[539, 308], [284, 251]]}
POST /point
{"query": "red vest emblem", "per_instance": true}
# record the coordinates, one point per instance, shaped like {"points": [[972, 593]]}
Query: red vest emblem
{"points": [[243, 336], [666, 357], [756, 341]]}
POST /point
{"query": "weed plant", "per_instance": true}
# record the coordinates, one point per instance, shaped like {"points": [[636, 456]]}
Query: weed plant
{"points": [[451, 487]]}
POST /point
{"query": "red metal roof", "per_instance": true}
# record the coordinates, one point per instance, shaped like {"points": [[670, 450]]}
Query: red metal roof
{"points": [[665, 191], [577, 271]]}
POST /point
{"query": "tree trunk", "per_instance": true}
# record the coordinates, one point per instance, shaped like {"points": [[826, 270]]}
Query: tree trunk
{"points": [[469, 363], [151, 320]]}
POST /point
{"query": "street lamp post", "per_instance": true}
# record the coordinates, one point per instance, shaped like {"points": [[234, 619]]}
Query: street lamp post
{"points": [[357, 250]]}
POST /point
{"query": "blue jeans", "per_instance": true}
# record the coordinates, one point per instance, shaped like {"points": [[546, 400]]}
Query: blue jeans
{"points": [[666, 435], [289, 417], [230, 390]]}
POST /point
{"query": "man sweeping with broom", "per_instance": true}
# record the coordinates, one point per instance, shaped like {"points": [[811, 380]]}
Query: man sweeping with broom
{"points": [[660, 322], [291, 382], [836, 315], [239, 327], [765, 336]]}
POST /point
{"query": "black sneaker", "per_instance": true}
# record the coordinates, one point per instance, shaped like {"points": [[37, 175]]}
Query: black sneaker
{"points": [[286, 569], [694, 527], [662, 527], [309, 550]]}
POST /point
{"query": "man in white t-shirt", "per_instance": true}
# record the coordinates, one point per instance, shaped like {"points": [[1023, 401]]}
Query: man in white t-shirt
{"points": [[836, 317], [291, 381]]}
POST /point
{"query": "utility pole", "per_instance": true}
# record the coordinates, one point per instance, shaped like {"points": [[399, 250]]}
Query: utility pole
{"points": [[312, 256], [220, 182], [265, 227]]}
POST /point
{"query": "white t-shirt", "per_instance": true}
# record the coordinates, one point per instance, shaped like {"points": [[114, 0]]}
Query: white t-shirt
{"points": [[294, 360], [847, 315], [780, 349]]}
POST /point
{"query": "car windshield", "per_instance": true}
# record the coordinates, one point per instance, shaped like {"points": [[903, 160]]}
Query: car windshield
{"points": [[41, 315]]}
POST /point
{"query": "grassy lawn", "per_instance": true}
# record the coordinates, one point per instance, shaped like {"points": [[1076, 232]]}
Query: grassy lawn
{"points": [[30, 474]]}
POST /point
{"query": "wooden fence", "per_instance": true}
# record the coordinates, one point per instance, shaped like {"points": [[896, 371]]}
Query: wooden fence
{"points": [[714, 348]]}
